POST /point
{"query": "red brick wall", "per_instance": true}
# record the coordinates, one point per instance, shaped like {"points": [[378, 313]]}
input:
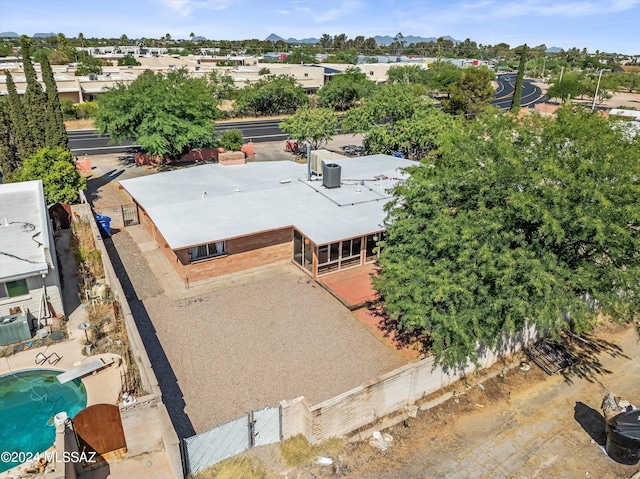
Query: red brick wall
{"points": [[260, 240], [237, 262]]}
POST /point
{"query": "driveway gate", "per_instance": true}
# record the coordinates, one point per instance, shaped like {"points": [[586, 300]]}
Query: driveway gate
{"points": [[256, 428]]}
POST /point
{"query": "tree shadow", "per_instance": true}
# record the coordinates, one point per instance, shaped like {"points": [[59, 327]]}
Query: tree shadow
{"points": [[591, 421], [172, 395], [95, 183], [392, 329], [588, 351]]}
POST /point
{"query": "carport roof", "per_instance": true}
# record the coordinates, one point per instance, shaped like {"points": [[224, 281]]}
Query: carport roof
{"points": [[211, 203]]}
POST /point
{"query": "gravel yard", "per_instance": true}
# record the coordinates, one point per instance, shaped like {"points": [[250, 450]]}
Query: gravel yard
{"points": [[250, 345]]}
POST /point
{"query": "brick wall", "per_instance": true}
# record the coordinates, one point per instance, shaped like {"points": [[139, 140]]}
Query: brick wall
{"points": [[235, 263]]}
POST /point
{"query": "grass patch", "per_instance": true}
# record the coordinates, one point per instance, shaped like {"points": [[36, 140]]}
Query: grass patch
{"points": [[298, 450], [236, 468]]}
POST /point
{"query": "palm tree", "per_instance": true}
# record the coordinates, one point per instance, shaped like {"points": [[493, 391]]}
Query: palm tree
{"points": [[81, 39], [192, 35]]}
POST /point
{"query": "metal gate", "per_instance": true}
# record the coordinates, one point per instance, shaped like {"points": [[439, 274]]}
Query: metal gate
{"points": [[130, 215], [266, 426], [257, 428]]}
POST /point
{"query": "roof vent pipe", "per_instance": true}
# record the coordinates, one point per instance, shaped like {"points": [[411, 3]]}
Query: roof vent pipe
{"points": [[308, 161]]}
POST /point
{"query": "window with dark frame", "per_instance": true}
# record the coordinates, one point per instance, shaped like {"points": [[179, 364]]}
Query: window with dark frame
{"points": [[13, 289], [209, 250]]}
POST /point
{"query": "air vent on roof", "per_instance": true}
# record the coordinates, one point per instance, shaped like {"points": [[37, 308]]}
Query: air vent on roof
{"points": [[93, 76]]}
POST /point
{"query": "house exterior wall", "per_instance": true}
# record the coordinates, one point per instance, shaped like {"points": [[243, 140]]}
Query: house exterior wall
{"points": [[243, 253]]}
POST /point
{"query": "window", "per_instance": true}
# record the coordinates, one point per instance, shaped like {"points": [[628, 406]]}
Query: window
{"points": [[337, 256], [371, 73], [306, 74], [12, 289], [208, 250]]}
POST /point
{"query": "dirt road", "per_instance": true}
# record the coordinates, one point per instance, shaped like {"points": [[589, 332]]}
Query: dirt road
{"points": [[524, 425]]}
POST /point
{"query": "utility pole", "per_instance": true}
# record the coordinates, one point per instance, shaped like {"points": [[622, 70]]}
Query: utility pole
{"points": [[597, 87]]}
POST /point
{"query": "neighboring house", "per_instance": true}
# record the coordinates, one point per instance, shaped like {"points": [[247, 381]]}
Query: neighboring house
{"points": [[213, 220], [29, 280], [627, 69]]}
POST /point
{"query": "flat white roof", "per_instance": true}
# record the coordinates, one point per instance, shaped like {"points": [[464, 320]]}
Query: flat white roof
{"points": [[211, 203], [23, 230]]}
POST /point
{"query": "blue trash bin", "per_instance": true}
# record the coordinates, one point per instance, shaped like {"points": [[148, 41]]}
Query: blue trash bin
{"points": [[104, 225], [398, 154]]}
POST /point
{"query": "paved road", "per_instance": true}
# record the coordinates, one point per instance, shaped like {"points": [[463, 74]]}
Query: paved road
{"points": [[90, 142], [531, 94]]}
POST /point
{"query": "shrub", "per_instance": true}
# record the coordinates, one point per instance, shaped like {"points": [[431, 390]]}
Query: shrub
{"points": [[231, 140]]}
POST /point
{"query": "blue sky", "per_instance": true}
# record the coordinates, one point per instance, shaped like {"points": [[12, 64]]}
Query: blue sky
{"points": [[605, 25]]}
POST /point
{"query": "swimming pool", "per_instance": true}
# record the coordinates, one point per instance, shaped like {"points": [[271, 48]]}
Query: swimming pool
{"points": [[28, 401]]}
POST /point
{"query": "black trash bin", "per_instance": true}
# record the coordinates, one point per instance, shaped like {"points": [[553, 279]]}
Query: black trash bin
{"points": [[104, 225], [623, 437]]}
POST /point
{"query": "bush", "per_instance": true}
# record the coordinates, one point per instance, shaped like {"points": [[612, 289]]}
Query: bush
{"points": [[68, 109], [264, 71], [236, 468], [297, 450], [231, 140], [87, 109]]}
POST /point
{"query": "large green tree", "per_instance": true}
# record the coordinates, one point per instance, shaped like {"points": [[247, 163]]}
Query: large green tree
{"points": [[517, 89], [55, 131], [271, 95], [19, 126], [8, 153], [471, 95], [35, 101], [315, 126], [389, 104], [510, 224], [56, 168], [168, 114], [415, 137], [345, 89]]}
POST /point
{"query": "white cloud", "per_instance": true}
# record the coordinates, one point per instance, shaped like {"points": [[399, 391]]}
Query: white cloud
{"points": [[320, 14], [185, 7]]}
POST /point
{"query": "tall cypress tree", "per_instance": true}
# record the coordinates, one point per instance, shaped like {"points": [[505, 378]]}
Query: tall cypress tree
{"points": [[35, 101], [55, 132], [517, 90], [18, 117], [8, 153]]}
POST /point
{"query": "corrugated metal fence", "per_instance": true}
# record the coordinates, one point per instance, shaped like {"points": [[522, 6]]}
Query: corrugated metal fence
{"points": [[256, 428]]}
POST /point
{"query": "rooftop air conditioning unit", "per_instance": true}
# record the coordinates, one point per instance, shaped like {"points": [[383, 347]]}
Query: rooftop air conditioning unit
{"points": [[318, 157], [331, 175], [93, 76]]}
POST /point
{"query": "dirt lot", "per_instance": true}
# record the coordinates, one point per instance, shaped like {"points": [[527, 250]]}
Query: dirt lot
{"points": [[520, 424]]}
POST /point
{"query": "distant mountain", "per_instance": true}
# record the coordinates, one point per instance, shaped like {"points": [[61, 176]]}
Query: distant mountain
{"points": [[304, 40], [409, 39], [198, 38], [554, 50], [380, 40], [9, 35], [274, 38], [43, 35]]}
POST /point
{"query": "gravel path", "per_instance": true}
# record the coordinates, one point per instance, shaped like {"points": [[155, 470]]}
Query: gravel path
{"points": [[248, 346]]}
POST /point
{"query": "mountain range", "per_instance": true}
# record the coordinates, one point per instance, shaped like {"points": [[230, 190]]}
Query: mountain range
{"points": [[380, 40], [35, 35]]}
